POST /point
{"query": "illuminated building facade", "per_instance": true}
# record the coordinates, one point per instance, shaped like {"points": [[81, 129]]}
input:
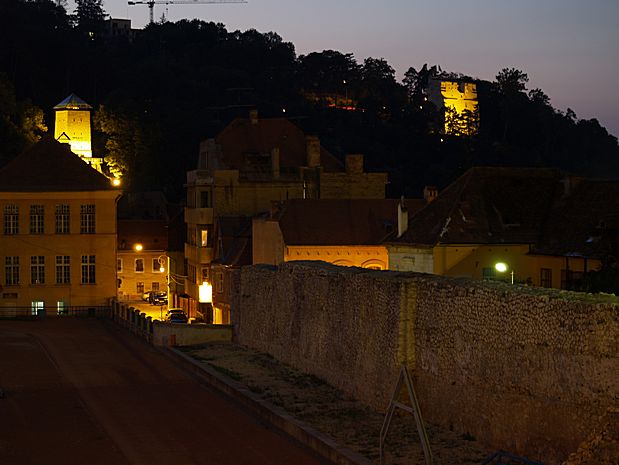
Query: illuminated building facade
{"points": [[58, 247], [142, 261], [549, 230], [343, 232], [249, 165], [72, 126], [458, 100]]}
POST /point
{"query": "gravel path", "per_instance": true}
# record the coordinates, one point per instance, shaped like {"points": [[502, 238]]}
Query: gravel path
{"points": [[323, 407]]}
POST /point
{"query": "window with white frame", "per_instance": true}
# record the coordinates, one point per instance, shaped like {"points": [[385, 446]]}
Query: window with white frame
{"points": [[11, 219], [63, 269], [37, 269], [139, 265], [62, 219], [11, 271], [37, 219], [88, 269], [87, 219]]}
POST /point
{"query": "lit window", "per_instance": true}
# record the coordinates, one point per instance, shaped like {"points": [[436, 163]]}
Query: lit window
{"points": [[62, 219], [87, 219], [88, 269], [139, 265], [37, 306], [11, 219], [37, 269], [63, 269], [203, 238], [11, 271]]}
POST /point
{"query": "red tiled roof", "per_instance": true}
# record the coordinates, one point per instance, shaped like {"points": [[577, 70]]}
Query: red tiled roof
{"points": [[49, 166], [241, 137], [340, 222]]}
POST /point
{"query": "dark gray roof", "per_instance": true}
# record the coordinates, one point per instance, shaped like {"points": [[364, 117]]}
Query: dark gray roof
{"points": [[487, 206], [49, 166], [555, 214], [584, 221], [73, 102]]}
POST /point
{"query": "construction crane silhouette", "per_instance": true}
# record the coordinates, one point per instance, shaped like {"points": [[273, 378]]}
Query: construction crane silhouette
{"points": [[151, 4]]}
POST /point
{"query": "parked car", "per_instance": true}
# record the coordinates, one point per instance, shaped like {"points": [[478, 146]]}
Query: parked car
{"points": [[177, 318], [159, 298], [175, 311], [146, 296]]}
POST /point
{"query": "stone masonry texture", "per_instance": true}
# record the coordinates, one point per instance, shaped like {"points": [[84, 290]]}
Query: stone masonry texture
{"points": [[522, 369]]}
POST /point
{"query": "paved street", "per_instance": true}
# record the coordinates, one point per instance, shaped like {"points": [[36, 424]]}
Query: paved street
{"points": [[81, 391]]}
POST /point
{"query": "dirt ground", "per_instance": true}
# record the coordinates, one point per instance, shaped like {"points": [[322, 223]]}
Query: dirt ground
{"points": [[328, 410]]}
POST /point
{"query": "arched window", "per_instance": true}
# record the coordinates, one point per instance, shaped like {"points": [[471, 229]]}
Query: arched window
{"points": [[374, 264]]}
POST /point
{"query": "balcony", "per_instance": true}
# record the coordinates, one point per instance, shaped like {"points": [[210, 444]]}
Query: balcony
{"points": [[195, 254], [198, 215]]}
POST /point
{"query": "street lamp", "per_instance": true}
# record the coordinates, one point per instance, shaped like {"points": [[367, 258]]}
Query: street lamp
{"points": [[164, 267], [502, 268]]}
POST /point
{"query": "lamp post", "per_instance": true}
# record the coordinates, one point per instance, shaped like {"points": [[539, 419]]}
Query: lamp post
{"points": [[502, 268], [164, 267]]}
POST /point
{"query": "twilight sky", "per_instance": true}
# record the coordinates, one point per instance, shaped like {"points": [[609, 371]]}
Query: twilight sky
{"points": [[569, 48]]}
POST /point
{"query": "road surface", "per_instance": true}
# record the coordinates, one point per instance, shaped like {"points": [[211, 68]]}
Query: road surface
{"points": [[84, 392]]}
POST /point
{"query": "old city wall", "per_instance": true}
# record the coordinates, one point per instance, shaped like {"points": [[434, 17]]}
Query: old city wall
{"points": [[521, 369]]}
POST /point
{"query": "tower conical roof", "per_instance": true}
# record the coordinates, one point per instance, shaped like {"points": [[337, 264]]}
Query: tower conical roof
{"points": [[73, 102]]}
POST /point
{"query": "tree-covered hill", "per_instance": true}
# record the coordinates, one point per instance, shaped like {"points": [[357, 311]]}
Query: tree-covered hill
{"points": [[174, 84]]}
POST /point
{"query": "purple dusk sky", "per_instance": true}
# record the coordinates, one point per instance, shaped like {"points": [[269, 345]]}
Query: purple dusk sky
{"points": [[569, 48]]}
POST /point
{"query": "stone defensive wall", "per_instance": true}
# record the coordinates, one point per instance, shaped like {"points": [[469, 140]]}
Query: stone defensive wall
{"points": [[522, 369]]}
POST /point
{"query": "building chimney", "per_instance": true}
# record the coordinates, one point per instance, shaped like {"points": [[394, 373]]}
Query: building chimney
{"points": [[354, 163], [402, 217], [430, 193], [312, 148], [253, 116], [275, 162]]}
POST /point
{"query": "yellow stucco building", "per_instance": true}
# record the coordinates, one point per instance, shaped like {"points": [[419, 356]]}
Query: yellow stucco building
{"points": [[58, 247], [250, 164], [547, 229], [342, 232]]}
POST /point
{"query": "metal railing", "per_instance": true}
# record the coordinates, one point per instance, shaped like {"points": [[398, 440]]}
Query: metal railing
{"points": [[29, 313]]}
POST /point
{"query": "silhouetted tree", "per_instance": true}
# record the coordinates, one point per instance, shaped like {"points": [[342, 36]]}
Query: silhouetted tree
{"points": [[89, 15]]}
